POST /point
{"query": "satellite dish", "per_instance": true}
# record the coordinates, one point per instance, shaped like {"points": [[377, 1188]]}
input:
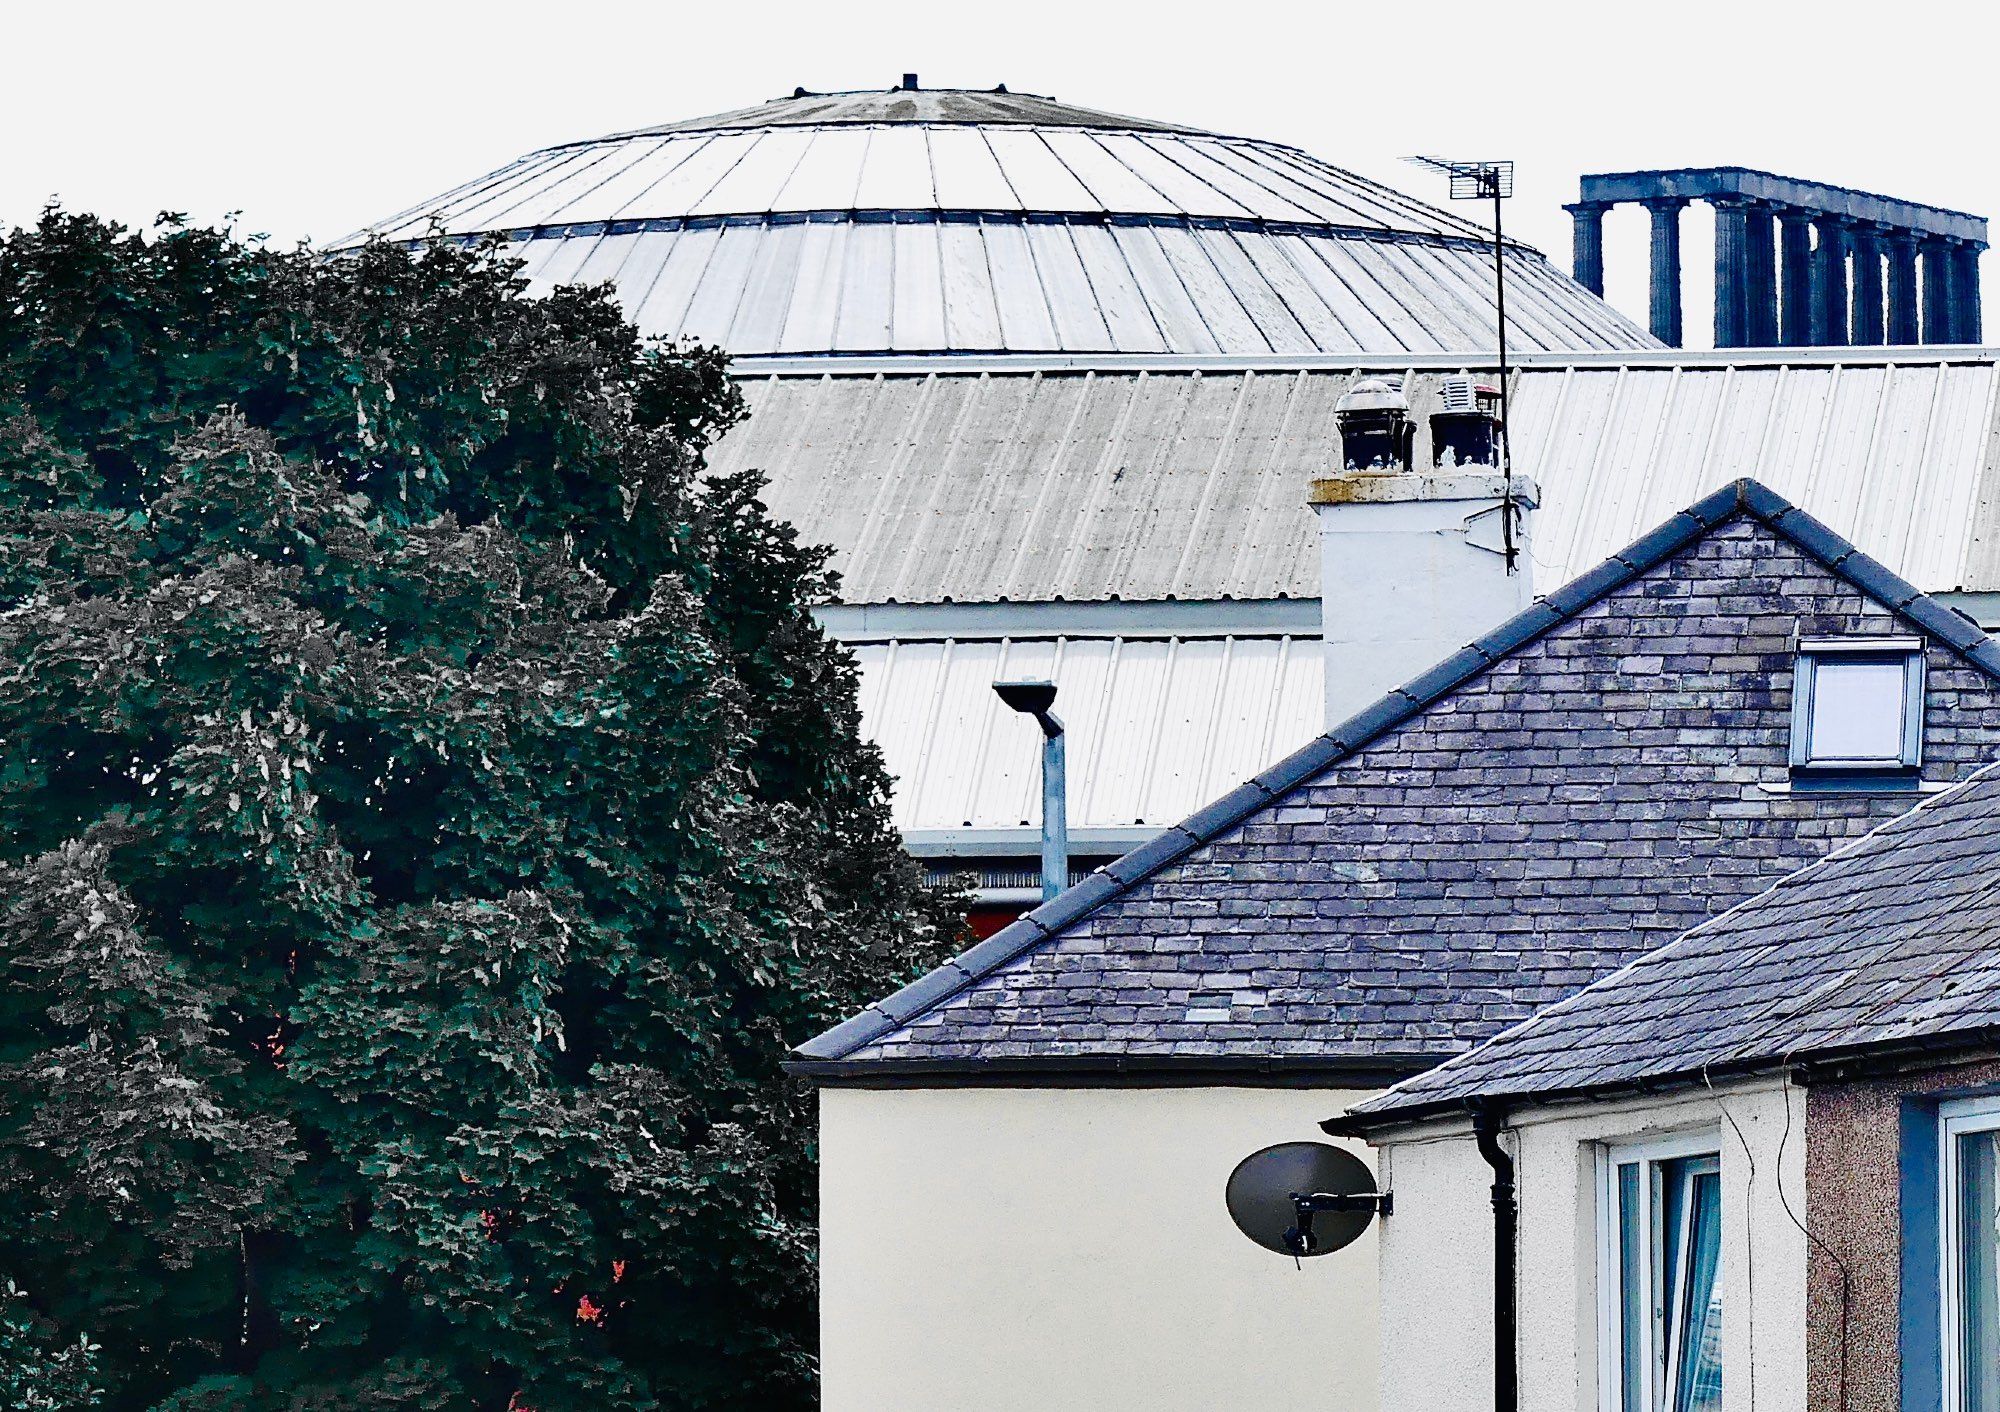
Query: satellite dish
{"points": [[1303, 1198]]}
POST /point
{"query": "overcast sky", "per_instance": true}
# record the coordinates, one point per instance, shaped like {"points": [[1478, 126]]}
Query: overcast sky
{"points": [[313, 120]]}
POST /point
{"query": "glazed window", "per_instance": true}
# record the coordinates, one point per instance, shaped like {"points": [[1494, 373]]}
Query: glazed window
{"points": [[1858, 705], [1969, 1166], [1660, 1286]]}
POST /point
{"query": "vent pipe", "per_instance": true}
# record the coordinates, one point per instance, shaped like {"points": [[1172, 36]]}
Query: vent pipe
{"points": [[1034, 698]]}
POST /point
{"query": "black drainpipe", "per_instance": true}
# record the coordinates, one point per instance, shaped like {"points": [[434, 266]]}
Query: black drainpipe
{"points": [[1486, 1121]]}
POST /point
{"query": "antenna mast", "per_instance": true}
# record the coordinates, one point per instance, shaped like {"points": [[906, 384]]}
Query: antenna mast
{"points": [[1494, 181]]}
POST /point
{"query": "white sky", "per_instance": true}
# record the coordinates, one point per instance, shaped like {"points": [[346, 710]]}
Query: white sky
{"points": [[315, 119]]}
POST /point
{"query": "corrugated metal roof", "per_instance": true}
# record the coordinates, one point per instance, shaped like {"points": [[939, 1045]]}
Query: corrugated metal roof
{"points": [[920, 283], [1156, 726], [920, 167], [988, 486], [915, 105], [978, 222]]}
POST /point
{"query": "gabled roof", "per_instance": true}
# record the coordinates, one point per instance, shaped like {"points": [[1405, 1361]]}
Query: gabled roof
{"points": [[837, 1051], [1891, 942]]}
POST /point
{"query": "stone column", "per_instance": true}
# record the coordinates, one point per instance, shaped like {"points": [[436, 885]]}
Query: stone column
{"points": [[1761, 317], [1589, 248], [1902, 245], [1937, 289], [1965, 290], [1666, 272], [1866, 328], [1795, 240], [1829, 324], [1732, 272]]}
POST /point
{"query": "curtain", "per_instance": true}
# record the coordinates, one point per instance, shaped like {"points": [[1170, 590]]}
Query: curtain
{"points": [[1698, 1380]]}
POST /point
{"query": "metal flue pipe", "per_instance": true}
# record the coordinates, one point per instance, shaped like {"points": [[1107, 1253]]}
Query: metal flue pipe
{"points": [[1034, 698]]}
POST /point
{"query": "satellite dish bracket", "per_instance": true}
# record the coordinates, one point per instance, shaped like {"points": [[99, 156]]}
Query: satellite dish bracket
{"points": [[1309, 1203]]}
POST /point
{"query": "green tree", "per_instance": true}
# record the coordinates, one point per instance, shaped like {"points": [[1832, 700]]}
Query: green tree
{"points": [[428, 810]]}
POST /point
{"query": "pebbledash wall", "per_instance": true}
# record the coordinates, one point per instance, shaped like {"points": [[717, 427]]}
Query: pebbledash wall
{"points": [[1001, 1249], [1436, 1251], [1871, 1183]]}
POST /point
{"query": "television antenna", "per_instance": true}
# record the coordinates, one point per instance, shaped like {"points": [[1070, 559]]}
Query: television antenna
{"points": [[1491, 181]]}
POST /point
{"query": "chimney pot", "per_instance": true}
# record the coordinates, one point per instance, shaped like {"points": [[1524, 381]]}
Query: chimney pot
{"points": [[1376, 433], [1466, 430]]}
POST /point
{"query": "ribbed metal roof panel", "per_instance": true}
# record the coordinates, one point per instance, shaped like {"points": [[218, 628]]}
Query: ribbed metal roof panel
{"points": [[1074, 231], [908, 167], [919, 284], [1190, 484], [1156, 726]]}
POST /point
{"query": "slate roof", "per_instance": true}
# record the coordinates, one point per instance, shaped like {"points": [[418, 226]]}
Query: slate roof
{"points": [[1893, 940], [1583, 782]]}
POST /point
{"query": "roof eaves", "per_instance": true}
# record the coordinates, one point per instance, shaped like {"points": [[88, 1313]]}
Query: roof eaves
{"points": [[1351, 1071]]}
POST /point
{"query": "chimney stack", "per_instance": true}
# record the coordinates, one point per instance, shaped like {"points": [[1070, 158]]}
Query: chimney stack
{"points": [[1413, 563]]}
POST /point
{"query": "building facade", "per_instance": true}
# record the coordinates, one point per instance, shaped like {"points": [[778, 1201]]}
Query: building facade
{"points": [[1051, 382], [1605, 771], [1759, 1164]]}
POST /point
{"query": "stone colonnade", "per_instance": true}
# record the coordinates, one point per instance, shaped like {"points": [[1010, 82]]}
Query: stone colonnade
{"points": [[1793, 274]]}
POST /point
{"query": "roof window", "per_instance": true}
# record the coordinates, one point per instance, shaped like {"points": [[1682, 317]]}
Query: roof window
{"points": [[1858, 707]]}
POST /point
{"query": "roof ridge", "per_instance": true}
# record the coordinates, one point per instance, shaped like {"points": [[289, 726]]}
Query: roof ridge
{"points": [[1741, 497]]}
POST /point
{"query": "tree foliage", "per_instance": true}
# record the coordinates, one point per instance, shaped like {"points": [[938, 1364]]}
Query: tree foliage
{"points": [[427, 812]]}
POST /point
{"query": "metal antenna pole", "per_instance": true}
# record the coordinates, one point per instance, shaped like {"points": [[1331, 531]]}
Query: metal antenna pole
{"points": [[1494, 180], [1506, 426]]}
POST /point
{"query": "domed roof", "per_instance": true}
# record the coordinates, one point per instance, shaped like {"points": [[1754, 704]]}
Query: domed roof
{"points": [[953, 221]]}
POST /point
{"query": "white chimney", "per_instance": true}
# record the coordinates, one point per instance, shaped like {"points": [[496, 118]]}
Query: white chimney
{"points": [[1413, 564]]}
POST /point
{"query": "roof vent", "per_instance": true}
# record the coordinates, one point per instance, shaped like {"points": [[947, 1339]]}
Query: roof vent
{"points": [[910, 81], [1376, 432], [1466, 430], [1209, 1006]]}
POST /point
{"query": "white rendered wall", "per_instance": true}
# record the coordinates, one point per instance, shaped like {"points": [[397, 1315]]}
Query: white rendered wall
{"points": [[1437, 1253], [1410, 572], [1009, 1248]]}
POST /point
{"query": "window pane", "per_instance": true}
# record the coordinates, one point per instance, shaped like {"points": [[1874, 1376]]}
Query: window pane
{"points": [[1632, 1311], [1857, 710], [1978, 1242], [1698, 1387]]}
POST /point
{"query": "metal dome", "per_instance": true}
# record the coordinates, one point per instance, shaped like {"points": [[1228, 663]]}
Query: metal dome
{"points": [[951, 221]]}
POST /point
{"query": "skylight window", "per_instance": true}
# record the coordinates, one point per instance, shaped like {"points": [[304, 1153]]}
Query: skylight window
{"points": [[1858, 705]]}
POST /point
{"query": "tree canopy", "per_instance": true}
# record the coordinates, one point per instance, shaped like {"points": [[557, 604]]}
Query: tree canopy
{"points": [[428, 811]]}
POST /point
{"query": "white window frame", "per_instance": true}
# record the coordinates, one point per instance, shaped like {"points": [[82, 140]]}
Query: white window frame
{"points": [[1649, 1154], [1955, 1119], [1812, 651]]}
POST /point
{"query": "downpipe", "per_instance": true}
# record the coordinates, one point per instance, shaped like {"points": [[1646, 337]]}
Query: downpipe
{"points": [[1487, 1121]]}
